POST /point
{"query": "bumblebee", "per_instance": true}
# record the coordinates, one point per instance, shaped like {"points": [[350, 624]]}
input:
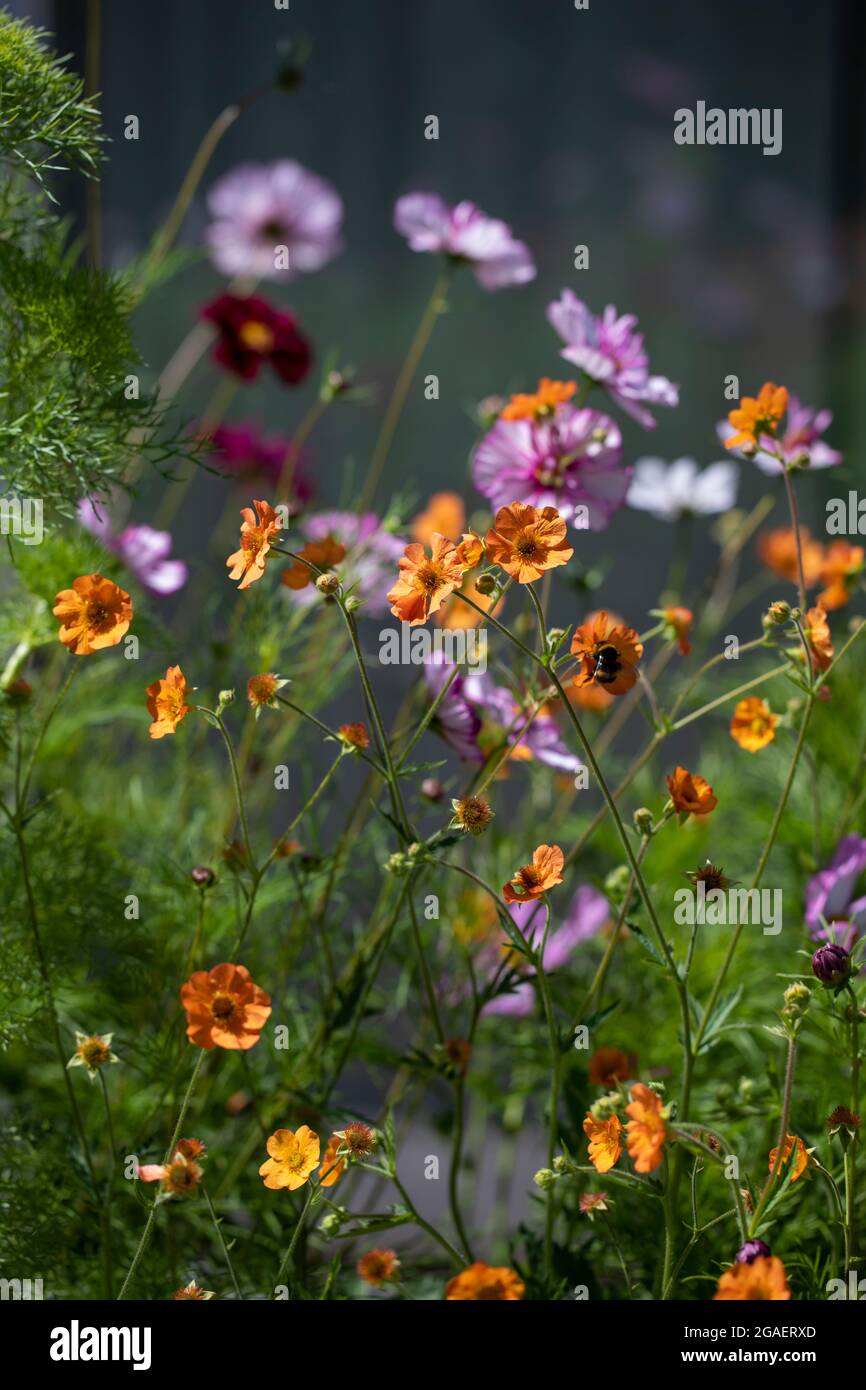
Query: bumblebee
{"points": [[608, 665]]}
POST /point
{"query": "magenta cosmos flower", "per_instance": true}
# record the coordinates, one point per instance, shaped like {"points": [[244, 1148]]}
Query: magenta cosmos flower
{"points": [[573, 460], [611, 353], [243, 451], [251, 332], [830, 895], [477, 716], [142, 550], [260, 208], [799, 443], [465, 233], [588, 913]]}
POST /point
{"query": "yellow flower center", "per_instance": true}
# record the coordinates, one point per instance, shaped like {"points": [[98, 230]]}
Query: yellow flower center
{"points": [[223, 1006], [256, 336]]}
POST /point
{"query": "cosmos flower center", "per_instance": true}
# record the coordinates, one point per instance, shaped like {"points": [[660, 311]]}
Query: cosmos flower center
{"points": [[256, 336], [272, 230], [223, 1006]]}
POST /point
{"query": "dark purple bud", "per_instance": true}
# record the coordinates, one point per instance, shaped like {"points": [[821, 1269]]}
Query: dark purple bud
{"points": [[202, 876], [752, 1250], [831, 964]]}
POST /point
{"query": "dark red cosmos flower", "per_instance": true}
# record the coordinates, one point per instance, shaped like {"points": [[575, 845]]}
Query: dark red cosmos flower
{"points": [[252, 332]]}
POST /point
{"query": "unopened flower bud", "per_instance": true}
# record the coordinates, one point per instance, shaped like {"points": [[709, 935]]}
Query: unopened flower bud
{"points": [[486, 583], [643, 820], [798, 993], [560, 1164], [202, 876], [328, 583], [831, 964], [353, 603], [777, 614], [752, 1250], [544, 1178], [432, 789], [226, 698]]}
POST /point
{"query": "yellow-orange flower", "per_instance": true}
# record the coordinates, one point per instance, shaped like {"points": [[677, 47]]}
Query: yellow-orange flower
{"points": [[608, 652], [444, 514], [425, 581], [777, 550], [166, 703], [531, 880], [679, 621], [540, 403], [332, 1164], [762, 1279], [842, 567], [192, 1290], [262, 691], [180, 1177], [817, 632], [646, 1131], [470, 550], [802, 1160], [355, 735], [605, 1141], [324, 554], [690, 793], [224, 1008], [608, 1065], [293, 1156], [258, 530], [93, 614], [378, 1267], [757, 416], [526, 542], [484, 1282], [753, 724]]}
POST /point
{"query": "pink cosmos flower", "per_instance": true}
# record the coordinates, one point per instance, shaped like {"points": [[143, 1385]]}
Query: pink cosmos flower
{"points": [[830, 894], [465, 233], [799, 442], [569, 461], [587, 914], [611, 353], [260, 207], [143, 550]]}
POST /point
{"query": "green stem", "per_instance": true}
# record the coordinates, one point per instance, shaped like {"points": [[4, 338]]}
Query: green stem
{"points": [[454, 1173], [783, 1134], [219, 1234]]}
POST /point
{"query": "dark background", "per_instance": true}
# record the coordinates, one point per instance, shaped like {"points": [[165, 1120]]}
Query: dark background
{"points": [[559, 121]]}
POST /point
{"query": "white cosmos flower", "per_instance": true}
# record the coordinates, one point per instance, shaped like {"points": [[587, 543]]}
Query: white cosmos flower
{"points": [[673, 490]]}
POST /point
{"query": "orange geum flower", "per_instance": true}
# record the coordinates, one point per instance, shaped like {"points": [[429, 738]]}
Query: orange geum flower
{"points": [[605, 1141], [777, 551], [609, 1065], [424, 582], [526, 542], [166, 702], [646, 1131], [843, 565], [324, 554], [608, 652], [224, 1008], [817, 632], [262, 691], [258, 530], [92, 1051], [93, 614], [378, 1267], [802, 1160], [293, 1156], [193, 1290], [470, 550], [691, 794], [485, 1282], [532, 880], [541, 403], [763, 1279], [753, 724], [757, 416], [332, 1164], [444, 514], [678, 622], [355, 735]]}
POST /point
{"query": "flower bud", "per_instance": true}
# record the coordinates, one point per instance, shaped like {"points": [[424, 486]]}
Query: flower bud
{"points": [[752, 1250], [643, 820], [798, 993], [353, 603], [544, 1178], [432, 789], [486, 583], [777, 614], [831, 964], [328, 583], [202, 876]]}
